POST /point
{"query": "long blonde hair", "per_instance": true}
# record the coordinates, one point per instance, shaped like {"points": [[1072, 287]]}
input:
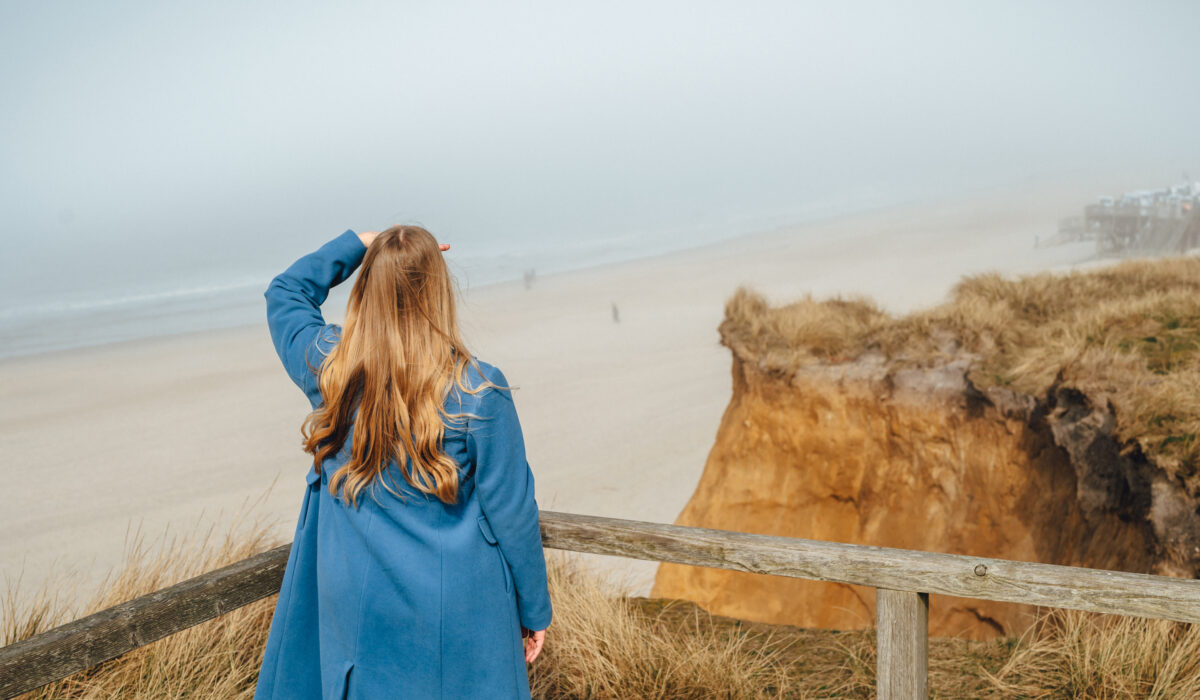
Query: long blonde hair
{"points": [[399, 354]]}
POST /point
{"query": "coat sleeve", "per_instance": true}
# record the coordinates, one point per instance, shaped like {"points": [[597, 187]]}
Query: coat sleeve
{"points": [[294, 301], [504, 483]]}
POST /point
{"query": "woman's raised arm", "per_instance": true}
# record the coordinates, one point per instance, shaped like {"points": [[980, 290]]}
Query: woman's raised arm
{"points": [[294, 301]]}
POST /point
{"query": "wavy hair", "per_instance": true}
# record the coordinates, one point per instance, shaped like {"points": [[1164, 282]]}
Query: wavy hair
{"points": [[399, 354]]}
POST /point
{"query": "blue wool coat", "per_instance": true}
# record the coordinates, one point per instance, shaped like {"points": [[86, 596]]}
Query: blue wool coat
{"points": [[412, 598]]}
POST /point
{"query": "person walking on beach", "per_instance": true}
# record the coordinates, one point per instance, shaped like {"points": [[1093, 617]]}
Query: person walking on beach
{"points": [[417, 569]]}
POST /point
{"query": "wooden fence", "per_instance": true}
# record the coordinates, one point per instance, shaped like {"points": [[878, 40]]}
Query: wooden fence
{"points": [[903, 579]]}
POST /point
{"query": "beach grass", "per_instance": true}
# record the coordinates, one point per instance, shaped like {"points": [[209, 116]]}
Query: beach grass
{"points": [[604, 643], [217, 659]]}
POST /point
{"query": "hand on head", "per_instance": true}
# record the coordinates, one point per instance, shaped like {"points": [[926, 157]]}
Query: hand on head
{"points": [[367, 236]]}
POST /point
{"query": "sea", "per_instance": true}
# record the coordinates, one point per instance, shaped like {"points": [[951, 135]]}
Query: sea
{"points": [[211, 299]]}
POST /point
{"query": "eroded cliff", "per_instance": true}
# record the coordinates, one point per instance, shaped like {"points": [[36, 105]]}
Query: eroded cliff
{"points": [[891, 448]]}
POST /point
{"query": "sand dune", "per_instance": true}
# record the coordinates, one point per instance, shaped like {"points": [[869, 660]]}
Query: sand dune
{"points": [[619, 417]]}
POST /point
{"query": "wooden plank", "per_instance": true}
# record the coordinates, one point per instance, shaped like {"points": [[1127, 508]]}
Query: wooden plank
{"points": [[109, 633], [1119, 593], [902, 641]]}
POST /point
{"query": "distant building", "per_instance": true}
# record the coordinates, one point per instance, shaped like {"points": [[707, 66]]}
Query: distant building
{"points": [[1141, 221]]}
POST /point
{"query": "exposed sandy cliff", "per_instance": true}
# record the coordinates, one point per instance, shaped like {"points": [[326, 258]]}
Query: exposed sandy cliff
{"points": [[877, 443]]}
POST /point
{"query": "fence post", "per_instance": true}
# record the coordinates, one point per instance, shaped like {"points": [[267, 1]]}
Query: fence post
{"points": [[902, 643]]}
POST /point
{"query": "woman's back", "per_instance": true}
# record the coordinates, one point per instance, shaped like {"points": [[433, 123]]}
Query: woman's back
{"points": [[404, 593]]}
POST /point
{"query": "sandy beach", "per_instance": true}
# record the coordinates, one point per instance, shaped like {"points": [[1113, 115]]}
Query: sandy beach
{"points": [[187, 431]]}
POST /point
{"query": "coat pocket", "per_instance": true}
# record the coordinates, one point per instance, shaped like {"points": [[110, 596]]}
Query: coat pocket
{"points": [[486, 528], [313, 479]]}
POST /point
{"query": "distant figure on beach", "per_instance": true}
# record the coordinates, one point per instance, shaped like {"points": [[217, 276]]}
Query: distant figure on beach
{"points": [[417, 568], [616, 313], [529, 275]]}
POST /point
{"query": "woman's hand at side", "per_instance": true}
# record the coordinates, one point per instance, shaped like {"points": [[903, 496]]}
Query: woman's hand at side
{"points": [[533, 643], [367, 236]]}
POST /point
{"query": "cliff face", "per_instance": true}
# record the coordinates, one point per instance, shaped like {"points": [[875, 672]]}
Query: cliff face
{"points": [[871, 452]]}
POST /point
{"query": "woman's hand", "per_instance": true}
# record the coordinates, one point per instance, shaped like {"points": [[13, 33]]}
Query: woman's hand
{"points": [[533, 643], [367, 236]]}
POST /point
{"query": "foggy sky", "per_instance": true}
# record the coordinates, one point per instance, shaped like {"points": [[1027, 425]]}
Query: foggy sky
{"points": [[155, 143]]}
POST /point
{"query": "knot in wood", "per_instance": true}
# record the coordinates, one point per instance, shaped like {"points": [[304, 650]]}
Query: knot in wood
{"points": [[981, 570]]}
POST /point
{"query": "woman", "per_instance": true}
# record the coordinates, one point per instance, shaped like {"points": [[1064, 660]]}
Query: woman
{"points": [[413, 582]]}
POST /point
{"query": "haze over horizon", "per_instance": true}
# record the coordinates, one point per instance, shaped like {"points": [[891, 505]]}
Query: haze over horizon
{"points": [[144, 145]]}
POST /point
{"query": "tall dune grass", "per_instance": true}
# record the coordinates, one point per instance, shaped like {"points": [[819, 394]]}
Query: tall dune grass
{"points": [[217, 659], [1082, 655], [601, 645], [1129, 334], [604, 644]]}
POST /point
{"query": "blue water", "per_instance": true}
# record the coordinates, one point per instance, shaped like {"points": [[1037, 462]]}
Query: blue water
{"points": [[222, 300]]}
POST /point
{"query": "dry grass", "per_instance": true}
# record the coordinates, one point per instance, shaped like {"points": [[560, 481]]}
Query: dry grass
{"points": [[217, 659], [1081, 655], [1129, 334], [605, 644], [601, 645]]}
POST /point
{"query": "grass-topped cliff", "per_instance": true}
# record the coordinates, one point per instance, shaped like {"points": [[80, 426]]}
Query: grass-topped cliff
{"points": [[1050, 418], [1128, 334]]}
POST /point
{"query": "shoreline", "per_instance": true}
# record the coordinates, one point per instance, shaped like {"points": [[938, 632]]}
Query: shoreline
{"points": [[142, 310], [180, 430], [119, 311]]}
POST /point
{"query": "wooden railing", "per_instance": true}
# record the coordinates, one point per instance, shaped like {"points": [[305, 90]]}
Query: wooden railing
{"points": [[903, 579]]}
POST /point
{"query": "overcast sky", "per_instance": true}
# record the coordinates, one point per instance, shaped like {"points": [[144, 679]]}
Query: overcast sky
{"points": [[156, 141]]}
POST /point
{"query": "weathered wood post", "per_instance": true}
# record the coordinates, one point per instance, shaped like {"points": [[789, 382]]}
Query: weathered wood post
{"points": [[902, 628]]}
